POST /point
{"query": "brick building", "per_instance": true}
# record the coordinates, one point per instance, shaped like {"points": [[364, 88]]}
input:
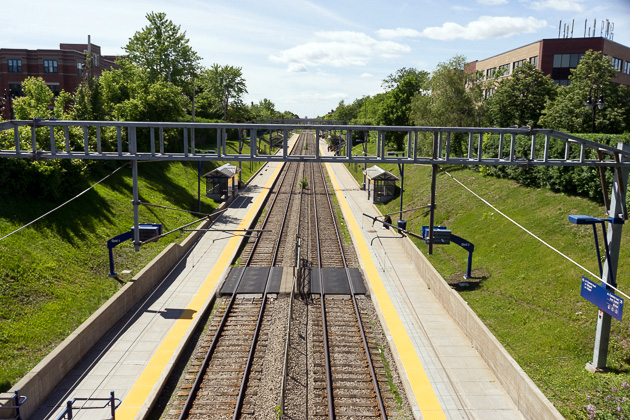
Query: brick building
{"points": [[556, 58], [61, 69]]}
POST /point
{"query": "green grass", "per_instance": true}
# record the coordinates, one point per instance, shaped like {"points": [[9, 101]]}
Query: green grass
{"points": [[527, 295], [53, 274]]}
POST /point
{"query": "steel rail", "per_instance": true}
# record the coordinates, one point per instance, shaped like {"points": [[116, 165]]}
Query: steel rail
{"points": [[287, 344], [250, 358], [366, 348], [206, 361], [331, 407]]}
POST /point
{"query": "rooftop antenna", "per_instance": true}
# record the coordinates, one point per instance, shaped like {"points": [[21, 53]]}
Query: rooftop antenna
{"points": [[559, 28], [572, 23], [585, 20], [594, 26]]}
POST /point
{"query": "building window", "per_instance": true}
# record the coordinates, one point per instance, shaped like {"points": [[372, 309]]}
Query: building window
{"points": [[566, 60], [488, 93], [616, 62], [534, 61], [626, 67], [15, 89], [517, 64], [562, 82], [504, 70], [50, 66], [54, 87], [80, 66], [490, 73], [15, 65]]}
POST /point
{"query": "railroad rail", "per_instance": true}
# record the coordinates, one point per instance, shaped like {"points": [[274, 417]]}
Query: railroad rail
{"points": [[332, 372], [234, 349], [340, 324]]}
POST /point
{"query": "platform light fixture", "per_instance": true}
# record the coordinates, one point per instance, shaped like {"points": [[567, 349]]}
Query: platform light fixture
{"points": [[595, 92]]}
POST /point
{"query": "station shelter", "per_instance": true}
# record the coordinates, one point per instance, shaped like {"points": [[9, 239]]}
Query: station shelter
{"points": [[222, 182], [380, 184]]}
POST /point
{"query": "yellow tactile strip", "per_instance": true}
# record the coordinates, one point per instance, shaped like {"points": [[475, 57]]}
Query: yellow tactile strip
{"points": [[156, 367], [418, 379]]}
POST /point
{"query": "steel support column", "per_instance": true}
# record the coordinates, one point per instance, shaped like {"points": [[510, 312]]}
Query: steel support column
{"points": [[434, 170], [609, 273], [136, 202]]}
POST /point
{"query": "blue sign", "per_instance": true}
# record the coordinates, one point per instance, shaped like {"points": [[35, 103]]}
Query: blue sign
{"points": [[604, 299]]}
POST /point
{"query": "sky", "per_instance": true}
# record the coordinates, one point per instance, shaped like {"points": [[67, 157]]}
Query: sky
{"points": [[304, 55]]}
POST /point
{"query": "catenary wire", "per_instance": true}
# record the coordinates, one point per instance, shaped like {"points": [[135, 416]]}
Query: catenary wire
{"points": [[60, 206], [536, 237]]}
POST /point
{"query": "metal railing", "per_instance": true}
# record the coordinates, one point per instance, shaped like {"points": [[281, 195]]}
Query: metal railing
{"points": [[118, 140], [112, 402], [16, 400]]}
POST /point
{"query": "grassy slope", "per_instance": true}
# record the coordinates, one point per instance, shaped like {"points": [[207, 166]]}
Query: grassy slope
{"points": [[53, 275], [528, 295]]}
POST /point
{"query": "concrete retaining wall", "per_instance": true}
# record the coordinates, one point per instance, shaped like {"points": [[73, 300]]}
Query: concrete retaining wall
{"points": [[528, 398]]}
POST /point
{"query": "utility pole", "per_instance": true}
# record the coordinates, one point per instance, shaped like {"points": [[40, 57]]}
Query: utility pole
{"points": [[609, 273]]}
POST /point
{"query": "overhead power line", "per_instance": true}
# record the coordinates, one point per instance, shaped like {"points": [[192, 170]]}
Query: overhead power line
{"points": [[536, 237], [60, 206]]}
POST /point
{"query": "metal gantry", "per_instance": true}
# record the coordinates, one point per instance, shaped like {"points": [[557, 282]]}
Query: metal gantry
{"points": [[118, 140]]}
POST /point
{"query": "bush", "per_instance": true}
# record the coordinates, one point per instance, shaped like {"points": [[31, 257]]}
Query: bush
{"points": [[580, 180]]}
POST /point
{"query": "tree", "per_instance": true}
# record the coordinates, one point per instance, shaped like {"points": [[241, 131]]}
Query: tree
{"points": [[568, 112], [36, 100], [161, 50], [519, 99], [265, 110], [129, 95], [453, 98], [369, 109], [222, 86], [87, 100], [391, 81]]}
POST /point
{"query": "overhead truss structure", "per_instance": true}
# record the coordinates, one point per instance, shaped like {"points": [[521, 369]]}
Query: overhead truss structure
{"points": [[117, 140]]}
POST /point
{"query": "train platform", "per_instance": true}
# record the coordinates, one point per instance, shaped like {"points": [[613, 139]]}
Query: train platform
{"points": [[446, 378]]}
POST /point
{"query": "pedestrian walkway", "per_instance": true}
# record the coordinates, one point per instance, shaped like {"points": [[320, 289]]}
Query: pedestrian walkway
{"points": [[446, 376]]}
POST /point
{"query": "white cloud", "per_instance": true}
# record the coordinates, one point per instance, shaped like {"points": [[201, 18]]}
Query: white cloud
{"points": [[337, 49], [492, 2], [462, 9], [486, 27], [563, 5], [398, 33], [367, 76], [297, 68]]}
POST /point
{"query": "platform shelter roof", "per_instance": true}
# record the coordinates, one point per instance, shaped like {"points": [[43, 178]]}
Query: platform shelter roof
{"points": [[378, 173], [223, 171]]}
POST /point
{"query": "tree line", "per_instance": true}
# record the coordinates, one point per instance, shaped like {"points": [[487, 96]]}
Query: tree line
{"points": [[452, 96], [159, 78]]}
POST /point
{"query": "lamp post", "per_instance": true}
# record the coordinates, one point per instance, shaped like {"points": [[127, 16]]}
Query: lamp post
{"points": [[590, 105], [401, 168]]}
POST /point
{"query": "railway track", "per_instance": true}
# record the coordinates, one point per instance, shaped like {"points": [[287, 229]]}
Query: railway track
{"points": [[297, 356]]}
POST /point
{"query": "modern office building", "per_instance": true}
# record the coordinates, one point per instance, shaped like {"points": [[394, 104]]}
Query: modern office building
{"points": [[556, 58], [61, 69]]}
